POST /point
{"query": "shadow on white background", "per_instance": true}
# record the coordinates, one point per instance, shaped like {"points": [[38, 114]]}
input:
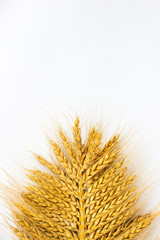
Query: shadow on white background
{"points": [[57, 55]]}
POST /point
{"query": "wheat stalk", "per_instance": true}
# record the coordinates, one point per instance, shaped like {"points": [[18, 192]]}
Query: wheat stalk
{"points": [[88, 194]]}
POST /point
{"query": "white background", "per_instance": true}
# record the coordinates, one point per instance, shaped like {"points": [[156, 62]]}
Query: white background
{"points": [[56, 55]]}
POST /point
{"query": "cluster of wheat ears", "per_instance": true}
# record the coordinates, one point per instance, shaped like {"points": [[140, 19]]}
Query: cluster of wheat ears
{"points": [[86, 192]]}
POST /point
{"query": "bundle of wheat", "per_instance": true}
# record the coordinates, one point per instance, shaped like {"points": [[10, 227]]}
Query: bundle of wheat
{"points": [[87, 193]]}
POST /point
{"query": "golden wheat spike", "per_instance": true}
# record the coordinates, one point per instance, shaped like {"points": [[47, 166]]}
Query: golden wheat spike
{"points": [[89, 193]]}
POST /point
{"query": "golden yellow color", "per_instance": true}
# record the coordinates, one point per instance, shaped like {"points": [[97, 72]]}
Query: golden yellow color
{"points": [[86, 193]]}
